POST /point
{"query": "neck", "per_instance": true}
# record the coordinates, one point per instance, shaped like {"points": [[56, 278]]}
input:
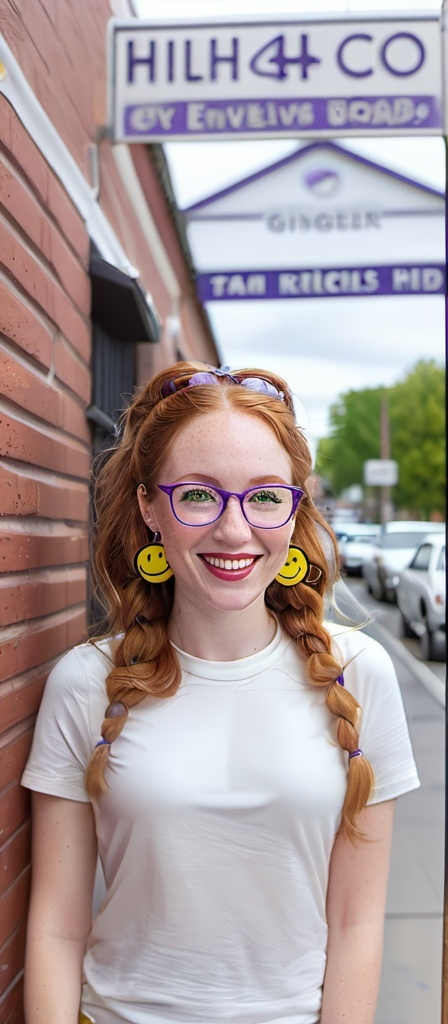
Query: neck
{"points": [[222, 636]]}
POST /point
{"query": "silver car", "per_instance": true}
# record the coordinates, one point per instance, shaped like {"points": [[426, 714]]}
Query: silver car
{"points": [[355, 546], [421, 596], [382, 567]]}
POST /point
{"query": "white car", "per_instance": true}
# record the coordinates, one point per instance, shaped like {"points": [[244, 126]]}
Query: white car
{"points": [[396, 546], [421, 595], [356, 545]]}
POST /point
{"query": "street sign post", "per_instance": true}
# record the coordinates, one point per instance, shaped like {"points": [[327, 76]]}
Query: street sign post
{"points": [[380, 473], [226, 79]]}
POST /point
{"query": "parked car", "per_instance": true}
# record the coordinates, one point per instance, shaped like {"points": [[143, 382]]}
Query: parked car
{"points": [[421, 595], [355, 546], [395, 548]]}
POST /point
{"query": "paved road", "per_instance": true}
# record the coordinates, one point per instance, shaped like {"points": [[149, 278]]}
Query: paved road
{"points": [[411, 981]]}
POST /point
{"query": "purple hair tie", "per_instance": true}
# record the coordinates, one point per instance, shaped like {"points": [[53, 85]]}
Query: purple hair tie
{"points": [[102, 743], [340, 679], [356, 753]]}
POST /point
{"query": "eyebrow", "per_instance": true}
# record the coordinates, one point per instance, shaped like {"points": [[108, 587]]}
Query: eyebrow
{"points": [[212, 481]]}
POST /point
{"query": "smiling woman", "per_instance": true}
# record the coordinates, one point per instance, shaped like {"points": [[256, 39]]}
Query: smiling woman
{"points": [[226, 750]]}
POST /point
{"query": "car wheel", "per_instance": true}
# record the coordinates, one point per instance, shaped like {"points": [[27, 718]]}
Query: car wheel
{"points": [[377, 591], [432, 649], [406, 629]]}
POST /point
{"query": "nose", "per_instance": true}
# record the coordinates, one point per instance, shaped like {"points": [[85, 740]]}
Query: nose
{"points": [[231, 526]]}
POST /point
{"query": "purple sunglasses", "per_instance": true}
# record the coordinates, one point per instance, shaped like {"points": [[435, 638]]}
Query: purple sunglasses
{"points": [[212, 377]]}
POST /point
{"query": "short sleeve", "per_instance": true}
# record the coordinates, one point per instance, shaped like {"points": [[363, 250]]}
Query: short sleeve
{"points": [[370, 676], [68, 725]]}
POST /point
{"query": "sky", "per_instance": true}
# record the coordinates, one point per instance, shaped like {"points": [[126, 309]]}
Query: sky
{"points": [[322, 347]]}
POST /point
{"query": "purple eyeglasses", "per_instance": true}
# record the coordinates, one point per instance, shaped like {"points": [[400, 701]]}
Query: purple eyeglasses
{"points": [[212, 376], [265, 507]]}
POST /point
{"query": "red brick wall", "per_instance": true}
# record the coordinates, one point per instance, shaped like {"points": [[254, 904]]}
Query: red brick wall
{"points": [[44, 467], [45, 384]]}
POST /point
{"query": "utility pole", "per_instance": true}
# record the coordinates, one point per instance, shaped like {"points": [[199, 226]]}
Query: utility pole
{"points": [[384, 492]]}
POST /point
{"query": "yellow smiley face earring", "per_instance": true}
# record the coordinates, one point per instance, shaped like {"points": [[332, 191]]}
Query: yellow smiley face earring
{"points": [[297, 569], [151, 562]]}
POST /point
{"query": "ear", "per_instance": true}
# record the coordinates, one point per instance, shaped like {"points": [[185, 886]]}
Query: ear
{"points": [[146, 508]]}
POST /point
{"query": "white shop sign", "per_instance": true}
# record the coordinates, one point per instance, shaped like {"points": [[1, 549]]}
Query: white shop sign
{"points": [[274, 78]]}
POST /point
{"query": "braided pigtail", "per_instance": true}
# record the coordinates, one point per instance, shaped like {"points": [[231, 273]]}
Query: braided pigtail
{"points": [[322, 669], [145, 665], [301, 610]]}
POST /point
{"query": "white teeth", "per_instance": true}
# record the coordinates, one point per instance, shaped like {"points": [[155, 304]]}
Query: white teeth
{"points": [[229, 563]]}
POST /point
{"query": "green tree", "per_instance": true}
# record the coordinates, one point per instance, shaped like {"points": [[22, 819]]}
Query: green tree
{"points": [[355, 437], [417, 439], [417, 430]]}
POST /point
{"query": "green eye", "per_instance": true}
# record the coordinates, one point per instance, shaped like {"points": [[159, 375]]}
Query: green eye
{"points": [[264, 497], [197, 495]]}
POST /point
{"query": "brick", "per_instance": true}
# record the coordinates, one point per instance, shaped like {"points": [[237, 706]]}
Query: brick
{"points": [[73, 276], [20, 697], [38, 282], [22, 597], [11, 957], [24, 387], [76, 329], [22, 148], [26, 209], [29, 494], [14, 905], [24, 327], [11, 1003], [22, 205], [68, 219], [14, 749], [71, 371], [15, 854], [43, 181], [25, 648], [24, 546], [14, 809], [29, 443], [74, 419]]}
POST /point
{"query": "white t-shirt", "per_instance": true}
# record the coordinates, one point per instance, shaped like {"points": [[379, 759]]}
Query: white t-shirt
{"points": [[216, 836]]}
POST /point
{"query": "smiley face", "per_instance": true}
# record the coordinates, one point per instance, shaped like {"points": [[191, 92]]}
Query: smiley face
{"points": [[295, 568], [151, 564]]}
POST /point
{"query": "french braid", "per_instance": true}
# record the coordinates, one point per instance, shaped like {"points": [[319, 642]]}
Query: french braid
{"points": [[145, 662]]}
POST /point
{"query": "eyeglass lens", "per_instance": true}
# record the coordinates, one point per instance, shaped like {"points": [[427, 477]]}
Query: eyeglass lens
{"points": [[197, 505]]}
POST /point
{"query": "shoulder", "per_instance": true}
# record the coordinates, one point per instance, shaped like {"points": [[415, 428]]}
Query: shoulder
{"points": [[92, 657], [80, 673]]}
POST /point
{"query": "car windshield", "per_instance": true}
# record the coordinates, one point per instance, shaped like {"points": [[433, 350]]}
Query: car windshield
{"points": [[401, 540]]}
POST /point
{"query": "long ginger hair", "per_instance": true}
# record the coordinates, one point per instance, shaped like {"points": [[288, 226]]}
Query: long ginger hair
{"points": [[145, 663]]}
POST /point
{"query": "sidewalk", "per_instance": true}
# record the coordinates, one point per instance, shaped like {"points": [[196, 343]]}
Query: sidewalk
{"points": [[411, 980]]}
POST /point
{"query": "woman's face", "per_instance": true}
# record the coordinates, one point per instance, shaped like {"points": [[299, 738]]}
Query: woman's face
{"points": [[234, 451]]}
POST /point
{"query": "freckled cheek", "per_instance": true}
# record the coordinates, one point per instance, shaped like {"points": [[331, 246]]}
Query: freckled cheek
{"points": [[178, 540]]}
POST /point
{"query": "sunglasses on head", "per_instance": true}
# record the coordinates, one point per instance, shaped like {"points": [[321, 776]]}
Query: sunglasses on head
{"points": [[206, 377]]}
